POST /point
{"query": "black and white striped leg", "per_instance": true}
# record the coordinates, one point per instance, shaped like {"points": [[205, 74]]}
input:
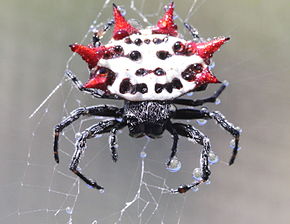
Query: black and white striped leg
{"points": [[113, 140], [99, 128], [174, 134], [191, 132], [229, 127], [199, 102], [101, 110]]}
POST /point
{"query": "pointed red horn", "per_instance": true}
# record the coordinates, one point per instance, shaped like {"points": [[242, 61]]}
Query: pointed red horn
{"points": [[122, 28], [166, 24], [207, 49], [91, 55]]}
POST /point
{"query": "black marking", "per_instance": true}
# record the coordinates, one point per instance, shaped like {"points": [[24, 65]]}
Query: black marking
{"points": [[135, 55], [169, 87], [128, 40], [125, 86], [176, 83], [162, 54], [157, 41], [141, 72], [147, 41], [142, 88], [191, 71], [159, 72], [178, 47], [138, 41], [158, 88], [118, 49]]}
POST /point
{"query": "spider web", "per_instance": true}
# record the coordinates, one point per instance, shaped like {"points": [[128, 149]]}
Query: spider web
{"points": [[137, 187]]}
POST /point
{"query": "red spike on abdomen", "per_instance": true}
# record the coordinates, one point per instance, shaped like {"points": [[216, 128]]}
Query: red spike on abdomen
{"points": [[122, 28], [91, 55], [166, 25]]}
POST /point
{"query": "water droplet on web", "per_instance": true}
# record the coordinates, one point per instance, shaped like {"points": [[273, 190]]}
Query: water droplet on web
{"points": [[239, 130], [78, 135], [98, 136], [232, 144], [143, 154], [95, 222], [102, 191], [174, 166], [194, 189], [196, 174], [217, 101], [207, 182], [212, 158], [69, 210], [201, 122]]}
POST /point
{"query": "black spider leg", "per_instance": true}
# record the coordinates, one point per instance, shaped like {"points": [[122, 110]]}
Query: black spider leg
{"points": [[101, 110], [113, 141], [99, 128], [199, 102], [191, 113], [193, 31], [172, 131], [229, 127], [81, 87], [99, 34], [191, 132]]}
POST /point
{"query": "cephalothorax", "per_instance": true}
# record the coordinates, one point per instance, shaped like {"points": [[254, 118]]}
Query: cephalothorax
{"points": [[149, 69]]}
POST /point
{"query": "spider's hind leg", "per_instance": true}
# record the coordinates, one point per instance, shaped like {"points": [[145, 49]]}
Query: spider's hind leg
{"points": [[191, 132], [99, 128]]}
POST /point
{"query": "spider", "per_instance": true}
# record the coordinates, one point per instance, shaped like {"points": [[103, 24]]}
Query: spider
{"points": [[149, 69]]}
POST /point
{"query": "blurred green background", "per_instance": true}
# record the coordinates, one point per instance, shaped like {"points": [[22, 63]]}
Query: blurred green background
{"points": [[34, 38]]}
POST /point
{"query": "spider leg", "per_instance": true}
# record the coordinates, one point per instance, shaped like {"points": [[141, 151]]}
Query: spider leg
{"points": [[99, 34], [229, 127], [191, 113], [191, 132], [199, 102], [113, 141], [193, 31], [101, 110], [99, 128], [81, 87], [174, 134]]}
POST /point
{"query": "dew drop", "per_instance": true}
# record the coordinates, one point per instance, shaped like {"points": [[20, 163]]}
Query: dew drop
{"points": [[194, 189], [102, 191], [196, 174], [217, 101], [69, 210], [207, 182], [212, 158], [78, 135], [143, 154], [201, 122], [95, 222], [232, 144], [174, 166], [226, 83]]}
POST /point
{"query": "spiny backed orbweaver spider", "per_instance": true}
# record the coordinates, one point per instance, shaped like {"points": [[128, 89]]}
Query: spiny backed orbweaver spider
{"points": [[149, 69]]}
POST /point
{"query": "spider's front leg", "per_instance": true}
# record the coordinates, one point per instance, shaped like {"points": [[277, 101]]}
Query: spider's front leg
{"points": [[191, 132], [99, 128], [101, 110]]}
